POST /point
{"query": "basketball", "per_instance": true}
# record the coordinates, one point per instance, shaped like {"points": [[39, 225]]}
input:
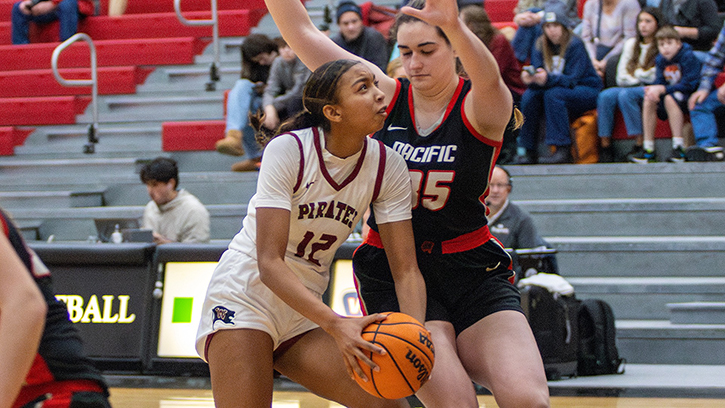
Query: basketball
{"points": [[409, 359]]}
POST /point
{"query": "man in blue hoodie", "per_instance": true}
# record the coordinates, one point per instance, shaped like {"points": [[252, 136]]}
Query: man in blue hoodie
{"points": [[677, 77]]}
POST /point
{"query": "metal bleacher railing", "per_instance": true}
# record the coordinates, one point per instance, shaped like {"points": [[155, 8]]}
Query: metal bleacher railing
{"points": [[214, 22], [90, 147]]}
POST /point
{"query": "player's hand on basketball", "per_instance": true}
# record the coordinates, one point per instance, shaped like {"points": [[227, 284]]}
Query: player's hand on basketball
{"points": [[347, 334]]}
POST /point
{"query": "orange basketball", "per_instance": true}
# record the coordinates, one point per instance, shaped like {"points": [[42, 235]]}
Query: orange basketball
{"points": [[409, 359]]}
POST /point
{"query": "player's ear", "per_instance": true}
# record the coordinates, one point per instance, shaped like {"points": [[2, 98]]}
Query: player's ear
{"points": [[332, 113]]}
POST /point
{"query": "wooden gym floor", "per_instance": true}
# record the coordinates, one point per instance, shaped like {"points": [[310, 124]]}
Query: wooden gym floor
{"points": [[187, 398]]}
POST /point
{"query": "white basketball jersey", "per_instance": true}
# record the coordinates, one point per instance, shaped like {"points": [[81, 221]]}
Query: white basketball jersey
{"points": [[326, 197]]}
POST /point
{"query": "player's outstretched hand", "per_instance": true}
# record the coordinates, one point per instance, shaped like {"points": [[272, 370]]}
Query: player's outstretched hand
{"points": [[347, 333], [441, 13]]}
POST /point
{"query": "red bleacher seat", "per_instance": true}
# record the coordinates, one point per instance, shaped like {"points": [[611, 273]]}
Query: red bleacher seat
{"points": [[10, 137], [662, 131], [111, 81], [46, 110], [500, 10], [148, 51], [195, 135], [167, 6], [232, 23]]}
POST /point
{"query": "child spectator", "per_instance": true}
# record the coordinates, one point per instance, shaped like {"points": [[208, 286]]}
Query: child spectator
{"points": [[678, 73], [528, 18], [704, 101], [562, 85], [606, 24], [395, 68], [258, 53], [635, 69]]}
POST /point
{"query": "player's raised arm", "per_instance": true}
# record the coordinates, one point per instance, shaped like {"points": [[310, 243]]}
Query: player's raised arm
{"points": [[489, 104], [312, 46]]}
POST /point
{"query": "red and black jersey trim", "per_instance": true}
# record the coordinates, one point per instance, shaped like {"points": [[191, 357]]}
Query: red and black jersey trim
{"points": [[302, 163], [323, 168]]}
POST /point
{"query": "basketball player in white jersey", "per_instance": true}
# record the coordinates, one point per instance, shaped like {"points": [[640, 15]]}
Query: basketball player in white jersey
{"points": [[263, 309]]}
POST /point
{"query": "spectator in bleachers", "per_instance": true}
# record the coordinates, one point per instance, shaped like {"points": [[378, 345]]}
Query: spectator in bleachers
{"points": [[606, 25], [354, 37], [395, 69], [173, 215], [696, 21], [477, 20], [528, 17], [635, 70], [677, 77], [282, 96], [705, 100], [508, 222], [562, 85], [67, 12], [258, 53]]}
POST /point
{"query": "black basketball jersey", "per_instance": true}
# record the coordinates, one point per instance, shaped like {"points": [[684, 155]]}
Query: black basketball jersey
{"points": [[449, 168], [60, 356]]}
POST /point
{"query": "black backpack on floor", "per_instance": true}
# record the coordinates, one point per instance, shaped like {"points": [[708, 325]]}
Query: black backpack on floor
{"points": [[553, 320], [598, 352]]}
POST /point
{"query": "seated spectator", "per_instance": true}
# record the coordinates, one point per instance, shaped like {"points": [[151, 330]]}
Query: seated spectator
{"points": [[677, 77], [562, 85], [477, 20], [510, 224], [696, 21], [258, 53], [354, 37], [704, 101], [42, 363], [282, 96], [635, 69], [606, 24], [67, 12], [173, 215], [528, 17]]}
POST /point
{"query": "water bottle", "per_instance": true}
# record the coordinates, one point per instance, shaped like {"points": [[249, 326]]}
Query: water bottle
{"points": [[117, 237]]}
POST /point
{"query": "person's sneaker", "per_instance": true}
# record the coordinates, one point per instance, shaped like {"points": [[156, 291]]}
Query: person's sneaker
{"points": [[702, 154], [606, 154], [562, 155], [643, 157], [636, 150], [677, 155]]}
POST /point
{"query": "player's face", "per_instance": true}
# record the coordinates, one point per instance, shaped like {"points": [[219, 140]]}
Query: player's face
{"points": [[351, 25], [362, 103], [647, 25], [427, 58], [498, 189], [161, 192]]}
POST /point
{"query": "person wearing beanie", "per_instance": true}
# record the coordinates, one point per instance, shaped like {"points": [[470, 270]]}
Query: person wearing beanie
{"points": [[354, 37]]}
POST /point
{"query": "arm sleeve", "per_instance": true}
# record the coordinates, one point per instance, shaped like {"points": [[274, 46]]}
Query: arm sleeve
{"points": [[527, 236], [659, 71], [274, 82], [575, 67], [711, 22], [588, 26], [300, 73], [377, 48], [197, 226], [623, 76], [629, 26], [395, 198], [714, 63], [278, 174]]}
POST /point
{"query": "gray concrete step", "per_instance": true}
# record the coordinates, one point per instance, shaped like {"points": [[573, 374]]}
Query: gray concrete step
{"points": [[50, 199], [648, 298], [697, 312], [661, 256], [189, 105], [617, 180], [628, 216], [88, 168], [661, 342]]}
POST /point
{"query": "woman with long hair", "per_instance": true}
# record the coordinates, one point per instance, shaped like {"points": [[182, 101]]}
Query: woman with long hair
{"points": [[263, 309], [562, 85], [635, 70], [449, 130]]}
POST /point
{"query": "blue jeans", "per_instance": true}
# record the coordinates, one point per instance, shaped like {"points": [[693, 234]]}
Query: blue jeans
{"points": [[554, 105], [703, 121], [66, 12], [629, 101], [243, 99]]}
